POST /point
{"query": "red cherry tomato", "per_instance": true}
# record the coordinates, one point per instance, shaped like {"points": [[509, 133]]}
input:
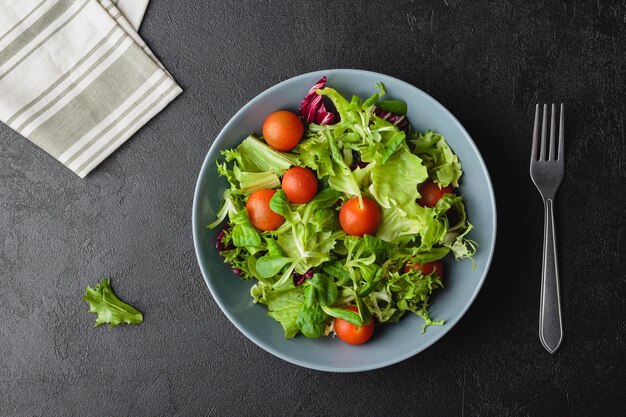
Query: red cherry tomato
{"points": [[261, 215], [431, 193], [349, 333], [283, 130], [427, 268], [300, 185], [358, 221]]}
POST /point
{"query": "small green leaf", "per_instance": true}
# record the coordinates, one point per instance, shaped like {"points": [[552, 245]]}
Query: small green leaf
{"points": [[325, 220], [240, 218], [371, 283], [245, 235], [376, 245], [432, 255], [279, 204], [109, 308], [393, 106], [250, 182], [341, 313], [283, 307], [364, 312], [273, 248], [256, 156], [336, 270], [392, 145], [267, 266], [370, 101], [325, 289], [324, 199], [311, 318]]}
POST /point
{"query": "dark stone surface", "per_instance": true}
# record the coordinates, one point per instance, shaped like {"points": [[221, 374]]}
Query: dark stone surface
{"points": [[488, 62]]}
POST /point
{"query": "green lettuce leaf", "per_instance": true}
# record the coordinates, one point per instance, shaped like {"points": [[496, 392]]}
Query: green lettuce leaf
{"points": [[252, 155], [230, 207], [311, 318], [342, 313], [459, 245], [323, 200], [442, 164], [244, 234], [315, 154], [380, 141], [348, 110], [325, 289], [343, 180], [396, 224], [267, 266], [283, 305], [393, 106], [108, 307], [395, 182], [280, 204], [250, 182]]}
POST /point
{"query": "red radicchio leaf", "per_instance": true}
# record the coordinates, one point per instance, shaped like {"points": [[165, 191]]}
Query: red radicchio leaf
{"points": [[313, 109], [299, 279], [358, 164], [219, 244], [401, 121]]}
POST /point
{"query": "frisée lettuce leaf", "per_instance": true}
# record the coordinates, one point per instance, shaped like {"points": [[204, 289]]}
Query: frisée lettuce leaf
{"points": [[442, 164]]}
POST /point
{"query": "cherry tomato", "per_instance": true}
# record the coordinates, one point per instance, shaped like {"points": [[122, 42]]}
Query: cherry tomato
{"points": [[261, 215], [358, 221], [426, 268], [282, 130], [349, 333], [300, 185], [431, 193]]}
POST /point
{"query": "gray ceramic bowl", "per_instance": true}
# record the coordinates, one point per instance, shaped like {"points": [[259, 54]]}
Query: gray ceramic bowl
{"points": [[390, 343]]}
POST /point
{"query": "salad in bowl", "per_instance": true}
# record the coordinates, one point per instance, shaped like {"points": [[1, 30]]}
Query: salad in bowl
{"points": [[342, 215]]}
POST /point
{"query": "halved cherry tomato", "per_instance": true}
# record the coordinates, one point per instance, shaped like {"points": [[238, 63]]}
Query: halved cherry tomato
{"points": [[426, 268], [261, 215], [358, 220], [300, 185], [349, 333], [282, 130], [431, 193]]}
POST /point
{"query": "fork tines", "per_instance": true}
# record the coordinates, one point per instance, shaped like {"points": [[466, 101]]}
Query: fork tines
{"points": [[544, 150]]}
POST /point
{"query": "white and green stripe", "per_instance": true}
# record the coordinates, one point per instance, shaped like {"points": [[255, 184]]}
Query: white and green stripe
{"points": [[76, 79], [24, 21]]}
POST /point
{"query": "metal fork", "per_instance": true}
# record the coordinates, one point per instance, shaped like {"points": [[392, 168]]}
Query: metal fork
{"points": [[547, 166]]}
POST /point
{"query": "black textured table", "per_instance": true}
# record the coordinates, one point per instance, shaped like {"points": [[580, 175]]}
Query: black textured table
{"points": [[488, 62]]}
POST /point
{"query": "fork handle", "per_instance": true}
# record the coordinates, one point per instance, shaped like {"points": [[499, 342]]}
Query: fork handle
{"points": [[550, 324]]}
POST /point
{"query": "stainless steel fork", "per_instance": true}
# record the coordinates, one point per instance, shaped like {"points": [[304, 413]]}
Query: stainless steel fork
{"points": [[547, 166]]}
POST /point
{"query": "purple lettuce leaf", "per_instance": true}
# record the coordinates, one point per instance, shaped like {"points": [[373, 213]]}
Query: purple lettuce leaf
{"points": [[313, 109], [219, 244], [299, 279], [401, 121], [358, 164]]}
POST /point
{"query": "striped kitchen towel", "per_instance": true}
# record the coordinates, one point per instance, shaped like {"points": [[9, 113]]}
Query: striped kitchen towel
{"points": [[75, 77]]}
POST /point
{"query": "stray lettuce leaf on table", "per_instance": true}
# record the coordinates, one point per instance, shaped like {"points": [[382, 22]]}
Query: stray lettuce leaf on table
{"points": [[108, 307]]}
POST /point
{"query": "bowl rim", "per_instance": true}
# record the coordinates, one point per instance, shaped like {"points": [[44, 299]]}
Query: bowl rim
{"points": [[196, 238]]}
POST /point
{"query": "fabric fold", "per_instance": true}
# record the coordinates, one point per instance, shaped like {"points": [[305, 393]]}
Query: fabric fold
{"points": [[75, 77]]}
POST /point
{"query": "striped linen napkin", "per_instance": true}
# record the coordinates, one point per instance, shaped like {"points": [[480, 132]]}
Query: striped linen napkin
{"points": [[75, 77]]}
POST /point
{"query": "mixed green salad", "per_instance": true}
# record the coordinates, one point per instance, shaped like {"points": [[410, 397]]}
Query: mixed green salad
{"points": [[342, 214]]}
